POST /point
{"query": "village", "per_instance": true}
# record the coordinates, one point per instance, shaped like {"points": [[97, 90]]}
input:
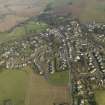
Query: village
{"points": [[66, 45]]}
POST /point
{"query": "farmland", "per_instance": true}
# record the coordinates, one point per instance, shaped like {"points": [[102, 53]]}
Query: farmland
{"points": [[48, 93], [13, 86], [12, 16], [23, 87], [13, 12], [85, 10], [29, 27]]}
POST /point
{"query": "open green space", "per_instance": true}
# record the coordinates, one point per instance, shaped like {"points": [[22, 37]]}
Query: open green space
{"points": [[13, 85], [59, 78], [33, 26], [100, 97], [28, 28]]}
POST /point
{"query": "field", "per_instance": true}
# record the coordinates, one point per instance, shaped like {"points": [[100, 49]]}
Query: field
{"points": [[59, 78], [13, 12], [20, 31], [100, 97], [85, 10], [13, 86], [40, 92], [27, 88]]}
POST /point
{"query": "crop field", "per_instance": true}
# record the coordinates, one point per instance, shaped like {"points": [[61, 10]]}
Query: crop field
{"points": [[13, 12], [23, 87], [13, 86]]}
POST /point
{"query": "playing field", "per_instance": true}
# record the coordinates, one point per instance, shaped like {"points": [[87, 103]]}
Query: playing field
{"points": [[26, 88]]}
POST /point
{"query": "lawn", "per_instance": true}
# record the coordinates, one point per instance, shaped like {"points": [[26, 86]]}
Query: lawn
{"points": [[13, 85], [59, 78], [100, 97]]}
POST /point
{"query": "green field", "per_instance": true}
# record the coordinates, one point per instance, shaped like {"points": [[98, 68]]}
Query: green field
{"points": [[59, 78], [20, 31], [23, 87], [100, 97], [13, 85]]}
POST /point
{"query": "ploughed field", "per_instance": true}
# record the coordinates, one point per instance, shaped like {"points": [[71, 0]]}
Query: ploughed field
{"points": [[12, 12]]}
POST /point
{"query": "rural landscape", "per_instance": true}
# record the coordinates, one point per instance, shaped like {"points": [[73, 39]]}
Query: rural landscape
{"points": [[52, 52]]}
